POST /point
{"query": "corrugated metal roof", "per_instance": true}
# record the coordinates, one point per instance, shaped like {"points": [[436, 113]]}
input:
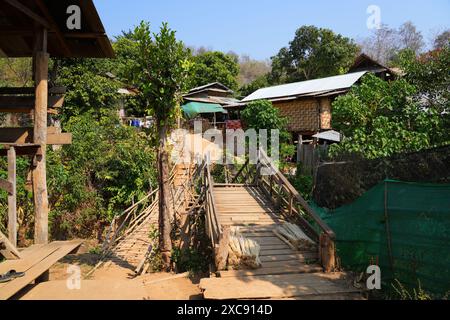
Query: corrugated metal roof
{"points": [[211, 85], [307, 87]]}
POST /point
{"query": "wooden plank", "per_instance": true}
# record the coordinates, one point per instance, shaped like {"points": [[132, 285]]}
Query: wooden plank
{"points": [[30, 91], [276, 252], [257, 234], [22, 150], [272, 264], [265, 247], [30, 13], [290, 257], [267, 240], [272, 271], [26, 104], [271, 286], [30, 258], [12, 201], [90, 290], [7, 249], [9, 289], [26, 135]]}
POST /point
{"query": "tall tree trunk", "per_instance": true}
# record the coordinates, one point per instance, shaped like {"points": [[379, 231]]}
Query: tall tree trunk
{"points": [[165, 228]]}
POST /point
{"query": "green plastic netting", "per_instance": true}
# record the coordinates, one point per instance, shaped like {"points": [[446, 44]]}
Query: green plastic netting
{"points": [[402, 227]]}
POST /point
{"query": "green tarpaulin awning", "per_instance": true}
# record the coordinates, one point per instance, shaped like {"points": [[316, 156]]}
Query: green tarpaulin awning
{"points": [[193, 109]]}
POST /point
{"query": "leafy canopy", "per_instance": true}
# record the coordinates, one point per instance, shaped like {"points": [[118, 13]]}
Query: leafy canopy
{"points": [[215, 66], [313, 53], [159, 71], [380, 119], [261, 115]]}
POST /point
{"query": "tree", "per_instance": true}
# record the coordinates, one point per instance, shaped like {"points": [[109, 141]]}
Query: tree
{"points": [[379, 119], [410, 38], [247, 89], [89, 89], [214, 66], [251, 70], [313, 53], [261, 115], [429, 74], [160, 74], [384, 44], [442, 40]]}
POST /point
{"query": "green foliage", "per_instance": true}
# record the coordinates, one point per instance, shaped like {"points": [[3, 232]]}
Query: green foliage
{"points": [[379, 119], [215, 66], [248, 89], [15, 72], [261, 115], [303, 183], [430, 75], [97, 176], [190, 260], [313, 53], [160, 71]]}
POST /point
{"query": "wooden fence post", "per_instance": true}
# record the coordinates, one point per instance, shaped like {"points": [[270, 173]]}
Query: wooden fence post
{"points": [[327, 253], [40, 137], [12, 197], [221, 252]]}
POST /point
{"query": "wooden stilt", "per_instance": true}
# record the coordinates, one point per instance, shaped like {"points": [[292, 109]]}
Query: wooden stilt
{"points": [[40, 137], [12, 202]]}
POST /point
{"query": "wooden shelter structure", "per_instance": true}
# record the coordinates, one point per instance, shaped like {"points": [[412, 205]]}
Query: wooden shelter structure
{"points": [[41, 29]]}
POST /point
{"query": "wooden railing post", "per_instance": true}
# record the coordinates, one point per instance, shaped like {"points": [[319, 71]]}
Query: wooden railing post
{"points": [[221, 251], [327, 253]]}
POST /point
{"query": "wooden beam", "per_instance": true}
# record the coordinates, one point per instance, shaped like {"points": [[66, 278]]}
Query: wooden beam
{"points": [[33, 15], [25, 136], [12, 198], [22, 150], [25, 104], [31, 90], [40, 137], [62, 41], [7, 249]]}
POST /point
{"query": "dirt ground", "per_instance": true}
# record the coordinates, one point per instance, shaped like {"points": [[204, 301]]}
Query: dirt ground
{"points": [[111, 282]]}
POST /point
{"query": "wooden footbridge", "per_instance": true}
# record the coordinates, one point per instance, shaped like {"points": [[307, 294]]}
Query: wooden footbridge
{"points": [[257, 201]]}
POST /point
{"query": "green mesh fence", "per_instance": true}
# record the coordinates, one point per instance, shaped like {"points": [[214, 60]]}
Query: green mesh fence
{"points": [[402, 227]]}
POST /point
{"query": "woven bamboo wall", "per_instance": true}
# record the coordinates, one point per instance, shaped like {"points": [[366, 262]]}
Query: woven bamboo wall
{"points": [[306, 115]]}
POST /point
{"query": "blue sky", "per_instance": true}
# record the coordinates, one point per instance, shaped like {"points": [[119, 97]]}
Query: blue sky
{"points": [[260, 28]]}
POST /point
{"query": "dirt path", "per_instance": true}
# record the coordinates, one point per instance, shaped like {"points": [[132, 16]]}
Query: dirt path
{"points": [[110, 283]]}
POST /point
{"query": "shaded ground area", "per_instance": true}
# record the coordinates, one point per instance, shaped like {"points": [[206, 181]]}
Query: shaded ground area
{"points": [[109, 283]]}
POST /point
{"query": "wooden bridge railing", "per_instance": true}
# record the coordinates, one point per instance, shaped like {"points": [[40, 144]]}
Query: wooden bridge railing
{"points": [[218, 235], [293, 207], [126, 222]]}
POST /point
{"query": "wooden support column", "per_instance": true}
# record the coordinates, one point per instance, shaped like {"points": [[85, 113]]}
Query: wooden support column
{"points": [[327, 253], [12, 196], [40, 137]]}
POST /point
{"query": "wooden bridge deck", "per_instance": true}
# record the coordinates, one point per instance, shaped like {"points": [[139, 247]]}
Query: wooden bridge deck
{"points": [[284, 273]]}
